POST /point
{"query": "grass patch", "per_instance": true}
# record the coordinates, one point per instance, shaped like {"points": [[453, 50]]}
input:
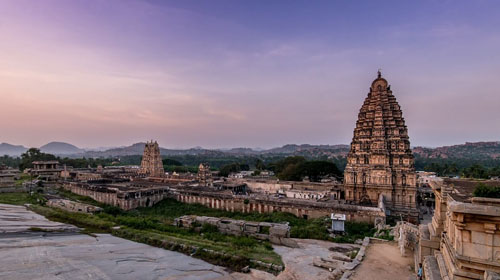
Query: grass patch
{"points": [[385, 234], [22, 178], [21, 198], [37, 229], [80, 198], [353, 254]]}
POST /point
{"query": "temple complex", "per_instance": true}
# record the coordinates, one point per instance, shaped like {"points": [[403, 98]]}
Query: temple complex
{"points": [[151, 164], [380, 161]]}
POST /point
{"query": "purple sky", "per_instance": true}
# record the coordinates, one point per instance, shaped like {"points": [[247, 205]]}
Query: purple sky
{"points": [[244, 73]]}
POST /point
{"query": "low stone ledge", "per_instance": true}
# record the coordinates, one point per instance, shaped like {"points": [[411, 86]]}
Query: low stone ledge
{"points": [[327, 264], [350, 265], [431, 268], [490, 275], [361, 254], [346, 275], [366, 241]]}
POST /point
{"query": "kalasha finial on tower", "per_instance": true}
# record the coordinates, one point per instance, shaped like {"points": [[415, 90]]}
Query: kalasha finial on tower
{"points": [[379, 73]]}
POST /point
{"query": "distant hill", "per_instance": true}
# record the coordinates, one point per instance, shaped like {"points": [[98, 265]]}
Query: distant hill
{"points": [[138, 149], [472, 151], [12, 150], [475, 151], [312, 151], [479, 150], [60, 148]]}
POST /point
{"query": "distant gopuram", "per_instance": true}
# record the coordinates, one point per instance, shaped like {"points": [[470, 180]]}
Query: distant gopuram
{"points": [[380, 161], [152, 164]]}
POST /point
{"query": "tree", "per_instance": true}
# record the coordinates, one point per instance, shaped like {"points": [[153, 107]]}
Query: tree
{"points": [[315, 170], [475, 171], [281, 165], [295, 168], [483, 190], [34, 154], [10, 161], [259, 164], [173, 162], [233, 168], [291, 173]]}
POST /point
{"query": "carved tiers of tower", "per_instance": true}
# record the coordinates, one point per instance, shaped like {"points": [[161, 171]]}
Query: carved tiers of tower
{"points": [[152, 164], [380, 161]]}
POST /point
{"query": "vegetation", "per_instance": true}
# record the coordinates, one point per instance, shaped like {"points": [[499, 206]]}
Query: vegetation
{"points": [[34, 154], [20, 198], [295, 168], [233, 168], [483, 190], [467, 168], [23, 178], [385, 234], [10, 161], [355, 231]]}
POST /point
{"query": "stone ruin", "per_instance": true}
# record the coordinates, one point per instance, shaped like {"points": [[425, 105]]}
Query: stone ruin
{"points": [[276, 233], [343, 259], [152, 164], [73, 206]]}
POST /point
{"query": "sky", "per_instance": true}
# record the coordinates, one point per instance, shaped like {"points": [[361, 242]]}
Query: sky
{"points": [[222, 74]]}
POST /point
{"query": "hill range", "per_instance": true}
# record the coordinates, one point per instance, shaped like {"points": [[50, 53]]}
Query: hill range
{"points": [[476, 150]]}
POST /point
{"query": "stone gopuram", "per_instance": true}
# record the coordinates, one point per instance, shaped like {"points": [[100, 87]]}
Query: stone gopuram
{"points": [[205, 175], [152, 164], [380, 161]]}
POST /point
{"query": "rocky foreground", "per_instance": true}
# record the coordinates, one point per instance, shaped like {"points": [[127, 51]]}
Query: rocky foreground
{"points": [[32, 247], [28, 254]]}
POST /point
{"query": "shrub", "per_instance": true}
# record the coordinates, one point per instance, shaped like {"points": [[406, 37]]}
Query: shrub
{"points": [[208, 228], [483, 190]]}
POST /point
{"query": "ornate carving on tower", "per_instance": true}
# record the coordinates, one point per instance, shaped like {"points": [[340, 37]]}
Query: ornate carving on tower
{"points": [[205, 175], [151, 163], [380, 161]]}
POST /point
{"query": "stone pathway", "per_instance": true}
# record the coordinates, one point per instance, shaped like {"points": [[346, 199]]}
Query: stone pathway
{"points": [[383, 261], [27, 255], [15, 218]]}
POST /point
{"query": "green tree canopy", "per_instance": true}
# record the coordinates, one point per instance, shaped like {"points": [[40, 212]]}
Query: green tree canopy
{"points": [[168, 161], [233, 168], [31, 155], [295, 168], [483, 190]]}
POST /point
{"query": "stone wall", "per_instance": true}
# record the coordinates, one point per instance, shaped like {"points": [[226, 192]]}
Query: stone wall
{"points": [[303, 209], [125, 199], [274, 186], [73, 206], [463, 237], [274, 232]]}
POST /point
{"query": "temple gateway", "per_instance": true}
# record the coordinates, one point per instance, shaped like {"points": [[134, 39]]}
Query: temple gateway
{"points": [[380, 163]]}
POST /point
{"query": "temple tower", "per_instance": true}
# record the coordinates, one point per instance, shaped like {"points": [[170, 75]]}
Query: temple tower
{"points": [[380, 161], [205, 175], [152, 164]]}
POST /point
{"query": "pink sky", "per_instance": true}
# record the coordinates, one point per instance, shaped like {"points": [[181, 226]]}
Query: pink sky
{"points": [[110, 73]]}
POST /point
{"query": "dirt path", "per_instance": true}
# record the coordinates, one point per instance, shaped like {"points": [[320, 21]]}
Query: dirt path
{"points": [[383, 261]]}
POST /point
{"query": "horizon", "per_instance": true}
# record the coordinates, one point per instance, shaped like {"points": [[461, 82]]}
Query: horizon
{"points": [[208, 74], [105, 148]]}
